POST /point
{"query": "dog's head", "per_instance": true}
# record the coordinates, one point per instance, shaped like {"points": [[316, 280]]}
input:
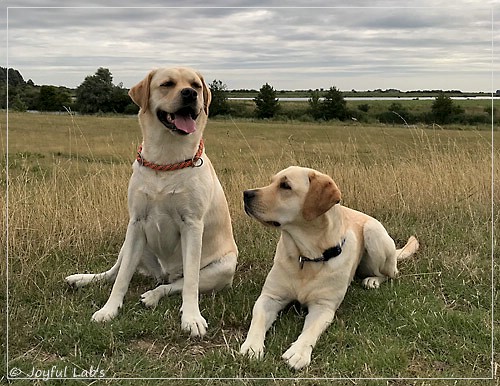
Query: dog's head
{"points": [[173, 98], [295, 195]]}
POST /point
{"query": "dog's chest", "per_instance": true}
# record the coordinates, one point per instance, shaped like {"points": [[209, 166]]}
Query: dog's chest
{"points": [[313, 281], [163, 204], [157, 191]]}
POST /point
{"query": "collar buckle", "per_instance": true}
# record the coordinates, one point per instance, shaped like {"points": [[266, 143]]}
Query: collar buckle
{"points": [[327, 255]]}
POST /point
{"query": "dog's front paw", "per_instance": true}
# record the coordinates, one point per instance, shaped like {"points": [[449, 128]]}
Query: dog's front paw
{"points": [[254, 350], [105, 314], [151, 298], [196, 325], [298, 356]]}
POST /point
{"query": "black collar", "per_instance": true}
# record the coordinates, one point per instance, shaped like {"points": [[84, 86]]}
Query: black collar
{"points": [[327, 255]]}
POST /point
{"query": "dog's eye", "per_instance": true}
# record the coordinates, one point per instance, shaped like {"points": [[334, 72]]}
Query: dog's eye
{"points": [[168, 83], [196, 85], [285, 185]]}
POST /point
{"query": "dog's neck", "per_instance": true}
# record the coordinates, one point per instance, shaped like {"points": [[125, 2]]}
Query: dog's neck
{"points": [[321, 234], [163, 147]]}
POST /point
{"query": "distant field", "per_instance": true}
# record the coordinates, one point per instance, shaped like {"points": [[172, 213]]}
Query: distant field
{"points": [[67, 213], [359, 94], [299, 110]]}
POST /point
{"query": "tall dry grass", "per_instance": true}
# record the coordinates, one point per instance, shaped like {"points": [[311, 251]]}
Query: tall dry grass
{"points": [[75, 202]]}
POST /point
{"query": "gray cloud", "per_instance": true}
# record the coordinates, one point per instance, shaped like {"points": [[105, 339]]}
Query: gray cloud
{"points": [[362, 46]]}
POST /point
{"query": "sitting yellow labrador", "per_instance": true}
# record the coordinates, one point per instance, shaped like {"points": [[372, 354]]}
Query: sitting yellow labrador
{"points": [[322, 244], [180, 229]]}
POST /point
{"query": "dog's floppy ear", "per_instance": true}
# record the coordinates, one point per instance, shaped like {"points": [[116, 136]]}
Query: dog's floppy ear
{"points": [[322, 195], [140, 92], [207, 95]]}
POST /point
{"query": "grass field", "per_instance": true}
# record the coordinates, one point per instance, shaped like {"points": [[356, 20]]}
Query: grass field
{"points": [[67, 213]]}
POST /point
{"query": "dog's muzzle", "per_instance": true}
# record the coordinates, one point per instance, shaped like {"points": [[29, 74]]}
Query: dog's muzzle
{"points": [[182, 121], [248, 198]]}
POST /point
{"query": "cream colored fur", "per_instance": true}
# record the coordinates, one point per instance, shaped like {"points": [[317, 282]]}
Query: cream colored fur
{"points": [[305, 205], [180, 229]]}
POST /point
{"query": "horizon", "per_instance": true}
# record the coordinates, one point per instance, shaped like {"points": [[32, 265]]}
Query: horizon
{"points": [[493, 91]]}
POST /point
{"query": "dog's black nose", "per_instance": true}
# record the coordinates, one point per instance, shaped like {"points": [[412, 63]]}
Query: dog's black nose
{"points": [[248, 195], [189, 94]]}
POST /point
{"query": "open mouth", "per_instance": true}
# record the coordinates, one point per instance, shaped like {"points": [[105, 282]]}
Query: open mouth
{"points": [[183, 121]]}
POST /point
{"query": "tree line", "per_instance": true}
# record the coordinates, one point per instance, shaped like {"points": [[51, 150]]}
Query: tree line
{"points": [[328, 105], [98, 94]]}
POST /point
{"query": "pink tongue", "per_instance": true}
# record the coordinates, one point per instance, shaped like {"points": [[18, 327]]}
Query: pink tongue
{"points": [[185, 123]]}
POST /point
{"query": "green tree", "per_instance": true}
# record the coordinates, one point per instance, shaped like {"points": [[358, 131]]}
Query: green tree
{"points": [[18, 104], [95, 94], [267, 105], [334, 105], [315, 105], [219, 104], [120, 100], [444, 110], [52, 98], [15, 77]]}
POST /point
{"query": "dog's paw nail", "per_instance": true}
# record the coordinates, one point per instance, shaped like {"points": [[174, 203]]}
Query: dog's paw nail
{"points": [[298, 357], [371, 283], [149, 299], [196, 326]]}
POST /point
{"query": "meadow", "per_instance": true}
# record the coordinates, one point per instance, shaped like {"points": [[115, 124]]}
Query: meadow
{"points": [[67, 213]]}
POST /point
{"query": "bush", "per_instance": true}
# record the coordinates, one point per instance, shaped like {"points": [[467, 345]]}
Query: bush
{"points": [[364, 107], [396, 114]]}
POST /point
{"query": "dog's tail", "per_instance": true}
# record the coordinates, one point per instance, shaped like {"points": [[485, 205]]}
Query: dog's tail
{"points": [[408, 250]]}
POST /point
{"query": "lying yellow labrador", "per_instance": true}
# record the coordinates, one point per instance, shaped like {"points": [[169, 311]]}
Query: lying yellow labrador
{"points": [[322, 244], [180, 229]]}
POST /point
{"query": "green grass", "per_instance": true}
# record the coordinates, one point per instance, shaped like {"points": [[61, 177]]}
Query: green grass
{"points": [[67, 214]]}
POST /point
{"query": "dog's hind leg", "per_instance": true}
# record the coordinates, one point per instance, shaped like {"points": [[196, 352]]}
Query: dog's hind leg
{"points": [[389, 268], [380, 262], [81, 279]]}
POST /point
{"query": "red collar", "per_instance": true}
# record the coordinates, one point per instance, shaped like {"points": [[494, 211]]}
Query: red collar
{"points": [[194, 162]]}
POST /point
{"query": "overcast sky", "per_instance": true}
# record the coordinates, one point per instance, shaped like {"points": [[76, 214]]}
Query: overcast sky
{"points": [[357, 44]]}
